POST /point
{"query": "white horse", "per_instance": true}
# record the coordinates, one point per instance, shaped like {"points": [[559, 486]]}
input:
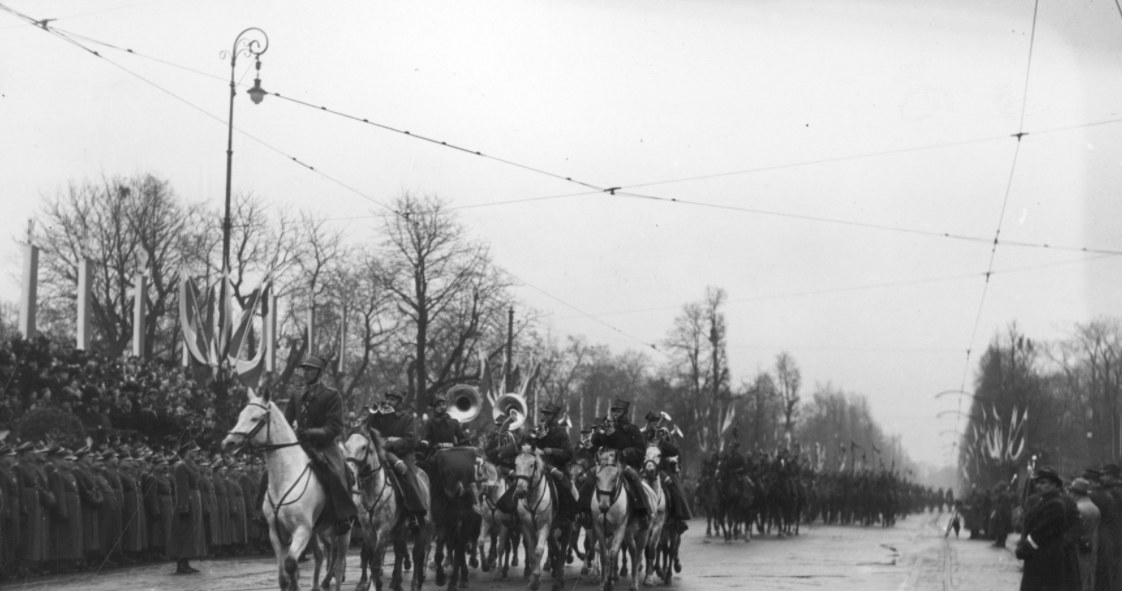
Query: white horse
{"points": [[536, 510], [652, 479], [496, 525], [295, 498], [382, 514], [612, 520]]}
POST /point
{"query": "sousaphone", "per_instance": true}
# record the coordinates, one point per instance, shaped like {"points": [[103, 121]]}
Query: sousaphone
{"points": [[464, 403]]}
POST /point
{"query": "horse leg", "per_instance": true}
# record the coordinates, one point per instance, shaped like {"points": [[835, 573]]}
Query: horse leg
{"points": [[438, 558], [363, 563], [399, 553], [421, 544]]}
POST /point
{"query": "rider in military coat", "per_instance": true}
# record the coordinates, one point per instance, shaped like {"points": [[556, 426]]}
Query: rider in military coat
{"points": [[620, 434], [397, 428], [317, 414], [552, 439]]}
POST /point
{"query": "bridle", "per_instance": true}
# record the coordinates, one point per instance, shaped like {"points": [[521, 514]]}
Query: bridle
{"points": [[617, 487], [261, 423]]}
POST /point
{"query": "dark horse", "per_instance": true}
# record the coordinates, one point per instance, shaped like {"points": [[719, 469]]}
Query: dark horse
{"points": [[453, 511]]}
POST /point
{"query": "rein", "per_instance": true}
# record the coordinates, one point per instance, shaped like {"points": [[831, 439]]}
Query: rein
{"points": [[366, 472], [534, 482], [264, 421]]}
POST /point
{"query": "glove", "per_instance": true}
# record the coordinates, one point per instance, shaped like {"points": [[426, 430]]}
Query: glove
{"points": [[400, 468], [1023, 551]]}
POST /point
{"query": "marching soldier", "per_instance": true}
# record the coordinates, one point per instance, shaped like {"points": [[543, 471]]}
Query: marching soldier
{"points": [[317, 414], [398, 431]]}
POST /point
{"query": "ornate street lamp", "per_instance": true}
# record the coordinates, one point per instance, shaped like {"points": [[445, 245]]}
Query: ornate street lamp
{"points": [[250, 42]]}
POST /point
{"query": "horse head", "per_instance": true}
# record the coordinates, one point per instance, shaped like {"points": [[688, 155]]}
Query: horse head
{"points": [[255, 424], [652, 462], [365, 453], [609, 477], [527, 470]]}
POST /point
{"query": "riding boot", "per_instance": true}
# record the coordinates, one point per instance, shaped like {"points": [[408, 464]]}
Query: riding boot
{"points": [[642, 508], [412, 495]]}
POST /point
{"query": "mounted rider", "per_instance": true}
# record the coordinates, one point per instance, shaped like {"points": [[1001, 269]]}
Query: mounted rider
{"points": [[618, 433], [657, 432], [551, 437], [317, 416], [440, 431], [500, 445], [398, 430]]}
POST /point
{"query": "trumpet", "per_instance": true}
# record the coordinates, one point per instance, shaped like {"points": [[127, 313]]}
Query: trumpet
{"points": [[382, 408], [607, 426]]}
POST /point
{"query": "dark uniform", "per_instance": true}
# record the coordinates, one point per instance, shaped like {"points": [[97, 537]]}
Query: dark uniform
{"points": [[188, 533], [658, 434], [398, 430], [1042, 546], [317, 414], [441, 431], [619, 434], [552, 439]]}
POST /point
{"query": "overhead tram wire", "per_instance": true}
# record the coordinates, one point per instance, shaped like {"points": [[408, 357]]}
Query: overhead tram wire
{"points": [[32, 21], [1004, 204], [619, 190]]}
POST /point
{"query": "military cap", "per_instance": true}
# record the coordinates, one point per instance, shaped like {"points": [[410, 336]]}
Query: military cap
{"points": [[394, 394], [1093, 475], [621, 404], [1048, 473], [313, 362], [41, 449], [25, 447], [438, 398], [653, 416], [551, 408], [1112, 470], [7, 450]]}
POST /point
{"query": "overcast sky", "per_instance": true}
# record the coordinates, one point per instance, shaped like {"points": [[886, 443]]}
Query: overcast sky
{"points": [[839, 168]]}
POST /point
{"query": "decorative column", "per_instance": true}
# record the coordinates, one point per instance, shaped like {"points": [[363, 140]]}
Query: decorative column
{"points": [[28, 298], [140, 295], [85, 288], [270, 330]]}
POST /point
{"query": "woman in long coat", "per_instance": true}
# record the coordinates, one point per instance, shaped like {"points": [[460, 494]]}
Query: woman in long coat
{"points": [[188, 538]]}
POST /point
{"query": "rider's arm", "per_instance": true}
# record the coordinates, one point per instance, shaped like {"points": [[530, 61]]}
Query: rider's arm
{"points": [[332, 426]]}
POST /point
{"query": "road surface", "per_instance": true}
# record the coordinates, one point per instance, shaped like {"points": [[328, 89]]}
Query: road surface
{"points": [[912, 556]]}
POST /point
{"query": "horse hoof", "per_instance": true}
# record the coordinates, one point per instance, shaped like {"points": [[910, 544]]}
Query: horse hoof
{"points": [[474, 562], [440, 578]]}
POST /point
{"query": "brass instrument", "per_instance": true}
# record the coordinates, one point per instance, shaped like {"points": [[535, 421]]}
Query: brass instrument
{"points": [[464, 403], [514, 408], [606, 426], [382, 408]]}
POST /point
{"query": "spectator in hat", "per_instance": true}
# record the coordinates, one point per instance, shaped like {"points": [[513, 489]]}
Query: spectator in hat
{"points": [[1110, 531], [1048, 563], [1089, 517]]}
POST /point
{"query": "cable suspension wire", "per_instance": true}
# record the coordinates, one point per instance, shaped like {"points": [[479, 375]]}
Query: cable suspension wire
{"points": [[1004, 204]]}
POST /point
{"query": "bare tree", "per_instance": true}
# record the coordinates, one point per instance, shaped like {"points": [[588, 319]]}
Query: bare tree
{"points": [[445, 286], [125, 226], [697, 344], [788, 380]]}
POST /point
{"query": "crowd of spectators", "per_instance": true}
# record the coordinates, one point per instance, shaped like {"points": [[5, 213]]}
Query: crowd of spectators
{"points": [[123, 399]]}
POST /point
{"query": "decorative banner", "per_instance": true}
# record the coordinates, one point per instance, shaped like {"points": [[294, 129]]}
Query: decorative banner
{"points": [[223, 346]]}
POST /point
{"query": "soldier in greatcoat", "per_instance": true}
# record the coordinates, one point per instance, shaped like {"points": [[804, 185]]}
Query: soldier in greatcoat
{"points": [[66, 519], [90, 493], [235, 498], [210, 506], [135, 517], [1048, 562], [188, 539], [10, 514], [113, 527], [161, 508], [36, 502]]}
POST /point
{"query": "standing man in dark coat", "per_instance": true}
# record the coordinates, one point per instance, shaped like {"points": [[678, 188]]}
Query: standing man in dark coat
{"points": [[1110, 528], [317, 415], [188, 534], [398, 430], [1042, 548]]}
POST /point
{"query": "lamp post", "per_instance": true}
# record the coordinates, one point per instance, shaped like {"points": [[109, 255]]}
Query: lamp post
{"points": [[250, 42]]}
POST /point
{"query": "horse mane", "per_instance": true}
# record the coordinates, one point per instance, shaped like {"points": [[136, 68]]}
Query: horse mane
{"points": [[378, 443]]}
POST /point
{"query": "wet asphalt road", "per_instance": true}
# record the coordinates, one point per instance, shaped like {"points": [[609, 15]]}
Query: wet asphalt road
{"points": [[912, 556]]}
